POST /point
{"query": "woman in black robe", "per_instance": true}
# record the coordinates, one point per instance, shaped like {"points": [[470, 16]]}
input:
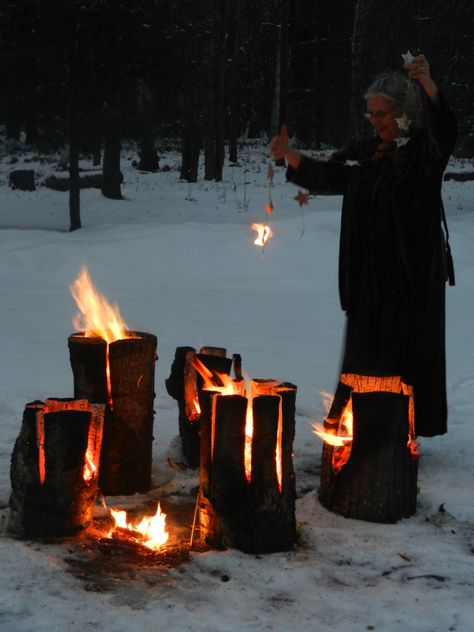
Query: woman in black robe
{"points": [[393, 259]]}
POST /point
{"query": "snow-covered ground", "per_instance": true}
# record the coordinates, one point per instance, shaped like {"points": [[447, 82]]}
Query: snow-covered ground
{"points": [[180, 261]]}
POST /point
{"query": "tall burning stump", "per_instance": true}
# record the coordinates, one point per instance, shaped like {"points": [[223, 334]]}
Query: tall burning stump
{"points": [[185, 385], [378, 482], [54, 468], [126, 456], [256, 515]]}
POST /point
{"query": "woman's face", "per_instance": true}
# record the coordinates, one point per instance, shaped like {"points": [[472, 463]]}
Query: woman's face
{"points": [[382, 114]]}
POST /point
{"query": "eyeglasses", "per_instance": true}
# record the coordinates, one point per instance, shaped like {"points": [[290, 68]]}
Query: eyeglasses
{"points": [[377, 116]]}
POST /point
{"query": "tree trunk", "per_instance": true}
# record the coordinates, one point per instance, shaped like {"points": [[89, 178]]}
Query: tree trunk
{"points": [[190, 150], [111, 175]]}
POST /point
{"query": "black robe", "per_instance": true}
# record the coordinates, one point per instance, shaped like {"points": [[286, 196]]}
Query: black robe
{"points": [[392, 259]]}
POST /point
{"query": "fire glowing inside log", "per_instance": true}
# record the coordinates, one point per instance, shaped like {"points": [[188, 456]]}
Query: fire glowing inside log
{"points": [[94, 438], [264, 233], [150, 531], [97, 317], [340, 435], [223, 384]]}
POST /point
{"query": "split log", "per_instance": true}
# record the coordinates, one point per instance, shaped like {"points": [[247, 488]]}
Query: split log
{"points": [[378, 483], [54, 468], [185, 385], [126, 456], [254, 516]]}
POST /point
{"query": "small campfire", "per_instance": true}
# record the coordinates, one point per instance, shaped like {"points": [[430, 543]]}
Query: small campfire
{"points": [[369, 461], [247, 485], [150, 531], [115, 366]]}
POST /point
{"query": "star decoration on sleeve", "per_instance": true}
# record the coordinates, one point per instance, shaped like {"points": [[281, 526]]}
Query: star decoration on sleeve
{"points": [[407, 57], [302, 198], [403, 123]]}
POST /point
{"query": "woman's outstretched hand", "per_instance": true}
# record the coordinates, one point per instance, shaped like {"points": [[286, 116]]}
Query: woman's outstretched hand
{"points": [[280, 149], [418, 68]]}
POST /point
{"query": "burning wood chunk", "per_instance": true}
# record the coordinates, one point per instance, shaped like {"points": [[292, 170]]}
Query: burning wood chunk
{"points": [[185, 385], [374, 476], [55, 468], [247, 482], [120, 374]]}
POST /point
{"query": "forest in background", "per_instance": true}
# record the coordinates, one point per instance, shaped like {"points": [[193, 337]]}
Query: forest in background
{"points": [[89, 74]]}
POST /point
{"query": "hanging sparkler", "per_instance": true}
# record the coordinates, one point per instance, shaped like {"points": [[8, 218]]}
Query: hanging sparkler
{"points": [[264, 232]]}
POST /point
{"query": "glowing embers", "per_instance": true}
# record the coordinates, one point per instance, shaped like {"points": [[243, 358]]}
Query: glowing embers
{"points": [[247, 489], [55, 467], [373, 474], [149, 531]]}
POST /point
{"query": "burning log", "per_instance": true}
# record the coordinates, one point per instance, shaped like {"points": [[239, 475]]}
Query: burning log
{"points": [[185, 385], [120, 374], [54, 468], [247, 483], [372, 473]]}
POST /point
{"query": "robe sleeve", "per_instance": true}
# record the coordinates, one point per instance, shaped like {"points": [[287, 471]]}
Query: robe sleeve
{"points": [[323, 177]]}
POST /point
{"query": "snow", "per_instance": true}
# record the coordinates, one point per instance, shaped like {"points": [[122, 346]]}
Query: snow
{"points": [[180, 261]]}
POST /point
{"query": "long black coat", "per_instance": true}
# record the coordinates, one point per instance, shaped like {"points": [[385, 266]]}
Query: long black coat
{"points": [[404, 235], [392, 258]]}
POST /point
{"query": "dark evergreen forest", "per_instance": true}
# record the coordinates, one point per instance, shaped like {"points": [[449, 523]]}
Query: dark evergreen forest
{"points": [[91, 73]]}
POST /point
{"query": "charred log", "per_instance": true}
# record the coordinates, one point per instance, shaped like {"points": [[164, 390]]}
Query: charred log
{"points": [[254, 516], [378, 483], [185, 385], [126, 456], [54, 468]]}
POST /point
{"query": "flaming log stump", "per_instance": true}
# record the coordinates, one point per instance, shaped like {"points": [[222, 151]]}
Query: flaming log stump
{"points": [[185, 385], [255, 516], [54, 468], [378, 483], [126, 455]]}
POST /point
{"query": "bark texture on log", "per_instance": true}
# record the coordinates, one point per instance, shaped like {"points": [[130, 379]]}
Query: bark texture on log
{"points": [[379, 481], [53, 485], [256, 516], [126, 457], [185, 385]]}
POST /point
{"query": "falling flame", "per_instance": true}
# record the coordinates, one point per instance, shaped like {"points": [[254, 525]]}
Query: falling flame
{"points": [[264, 233], [150, 531]]}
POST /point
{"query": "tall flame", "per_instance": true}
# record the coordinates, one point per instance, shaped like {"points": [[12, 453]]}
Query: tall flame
{"points": [[264, 233], [150, 531], [96, 315]]}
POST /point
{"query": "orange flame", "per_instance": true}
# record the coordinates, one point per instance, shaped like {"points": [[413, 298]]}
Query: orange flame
{"points": [[264, 233], [97, 317], [150, 531], [223, 384], [341, 437]]}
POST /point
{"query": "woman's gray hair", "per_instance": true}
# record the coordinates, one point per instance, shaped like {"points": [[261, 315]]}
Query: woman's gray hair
{"points": [[405, 95]]}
